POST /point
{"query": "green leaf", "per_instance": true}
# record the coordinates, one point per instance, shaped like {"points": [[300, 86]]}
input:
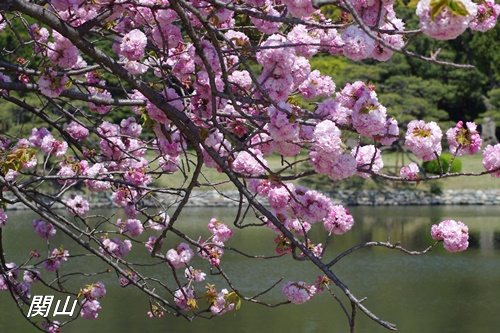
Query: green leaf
{"points": [[436, 7], [412, 3], [458, 8]]}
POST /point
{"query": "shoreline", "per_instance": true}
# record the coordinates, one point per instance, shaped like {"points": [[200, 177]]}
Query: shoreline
{"points": [[213, 198]]}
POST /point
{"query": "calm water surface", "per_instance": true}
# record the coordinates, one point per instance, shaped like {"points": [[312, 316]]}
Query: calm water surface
{"points": [[436, 293]]}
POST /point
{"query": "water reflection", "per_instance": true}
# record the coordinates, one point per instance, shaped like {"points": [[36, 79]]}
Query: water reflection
{"points": [[436, 293]]}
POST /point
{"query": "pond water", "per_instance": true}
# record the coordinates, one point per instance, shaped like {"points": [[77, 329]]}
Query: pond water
{"points": [[436, 293]]}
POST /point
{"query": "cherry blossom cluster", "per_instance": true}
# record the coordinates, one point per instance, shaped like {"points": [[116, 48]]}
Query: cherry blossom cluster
{"points": [[298, 292], [454, 234], [21, 289], [90, 304]]}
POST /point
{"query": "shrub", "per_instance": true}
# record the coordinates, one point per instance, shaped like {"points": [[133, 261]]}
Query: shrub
{"points": [[433, 166]]}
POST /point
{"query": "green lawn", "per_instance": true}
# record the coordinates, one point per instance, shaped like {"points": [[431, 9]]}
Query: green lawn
{"points": [[392, 161]]}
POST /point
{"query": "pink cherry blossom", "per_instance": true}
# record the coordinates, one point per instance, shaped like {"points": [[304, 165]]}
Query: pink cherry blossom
{"points": [[130, 127], [486, 18], [464, 139], [267, 26], [194, 274], [491, 159], [211, 252], [40, 35], [77, 205], [279, 196], [300, 8], [410, 172], [116, 246], [312, 206], [317, 85], [133, 44], [424, 139], [51, 84], [54, 261], [221, 233], [390, 133], [275, 55], [220, 305], [454, 234], [446, 24], [90, 309], [77, 131], [298, 292], [310, 40], [369, 117], [180, 255], [44, 230], [151, 243], [52, 327], [159, 222], [97, 290], [181, 298], [327, 139], [357, 44], [132, 226], [338, 221], [31, 276], [368, 158], [250, 162], [281, 127]]}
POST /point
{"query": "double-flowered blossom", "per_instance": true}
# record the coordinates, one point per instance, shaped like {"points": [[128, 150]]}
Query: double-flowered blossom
{"points": [[368, 158], [281, 125], [369, 117], [317, 85], [182, 298], [132, 226], [338, 221], [327, 146], [357, 44], [180, 255], [116, 246], [211, 252], [196, 275], [77, 131], [250, 162], [159, 222], [491, 159], [221, 304], [267, 26], [298, 292], [90, 309], [464, 139], [77, 205], [44, 230], [276, 54], [58, 256], [51, 84], [62, 52], [424, 139], [300, 8], [307, 42], [221, 233], [454, 234], [410, 172], [487, 15], [132, 45], [448, 21]]}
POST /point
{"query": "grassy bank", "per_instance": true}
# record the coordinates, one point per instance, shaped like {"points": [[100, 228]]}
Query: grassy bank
{"points": [[392, 163]]}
